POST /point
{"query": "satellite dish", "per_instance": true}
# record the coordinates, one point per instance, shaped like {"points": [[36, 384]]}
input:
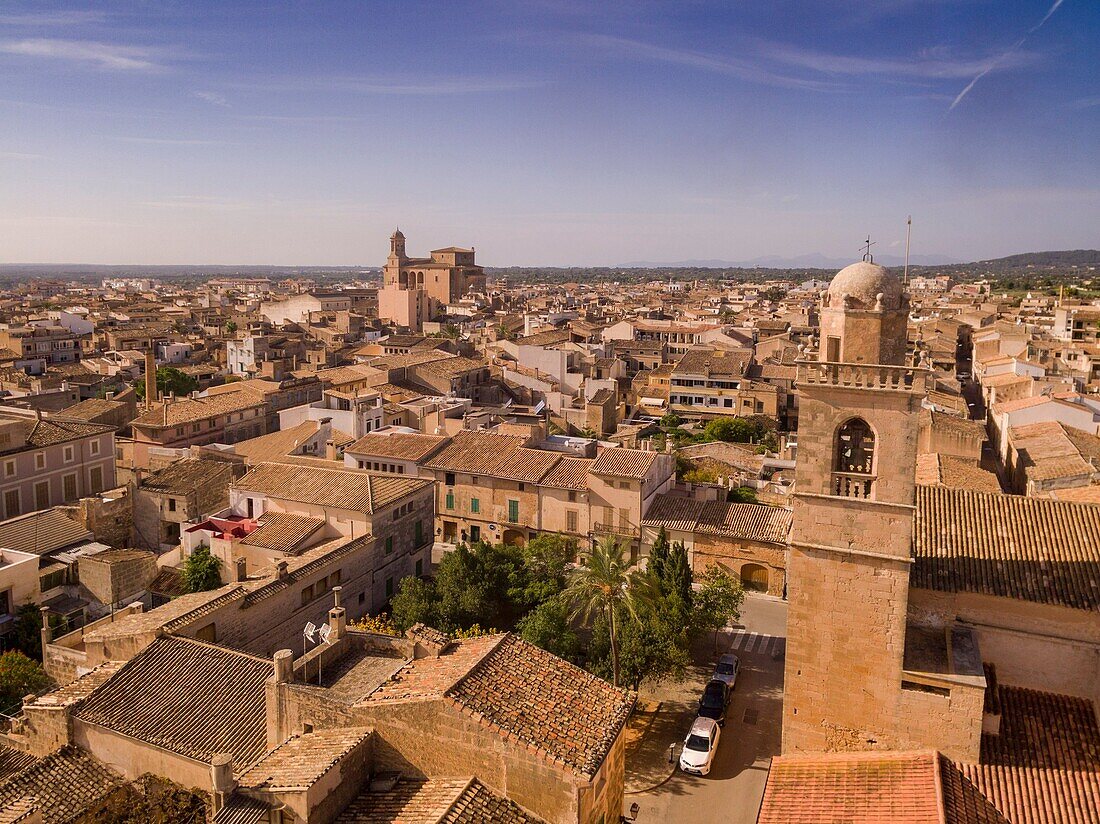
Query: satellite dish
{"points": [[310, 628], [324, 632]]}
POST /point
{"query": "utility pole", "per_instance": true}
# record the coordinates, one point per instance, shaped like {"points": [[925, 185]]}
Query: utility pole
{"points": [[908, 233]]}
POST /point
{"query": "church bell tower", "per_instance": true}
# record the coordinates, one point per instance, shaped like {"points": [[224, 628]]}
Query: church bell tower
{"points": [[853, 506]]}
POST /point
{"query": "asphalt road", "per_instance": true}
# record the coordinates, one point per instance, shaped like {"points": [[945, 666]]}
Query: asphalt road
{"points": [[731, 792]]}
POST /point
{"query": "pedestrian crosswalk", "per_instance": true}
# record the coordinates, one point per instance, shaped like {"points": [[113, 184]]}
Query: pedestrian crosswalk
{"points": [[744, 641]]}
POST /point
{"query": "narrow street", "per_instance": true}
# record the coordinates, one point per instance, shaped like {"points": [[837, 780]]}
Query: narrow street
{"points": [[731, 792]]}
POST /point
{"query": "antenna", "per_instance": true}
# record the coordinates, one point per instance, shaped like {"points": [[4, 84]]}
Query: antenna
{"points": [[908, 232]]}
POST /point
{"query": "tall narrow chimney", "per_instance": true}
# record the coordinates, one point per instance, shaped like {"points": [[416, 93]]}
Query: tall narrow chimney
{"points": [[150, 379]]}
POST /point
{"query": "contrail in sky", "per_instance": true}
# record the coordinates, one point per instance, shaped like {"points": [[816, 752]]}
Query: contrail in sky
{"points": [[997, 61]]}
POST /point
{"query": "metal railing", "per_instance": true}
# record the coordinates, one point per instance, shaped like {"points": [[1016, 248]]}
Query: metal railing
{"points": [[625, 530]]}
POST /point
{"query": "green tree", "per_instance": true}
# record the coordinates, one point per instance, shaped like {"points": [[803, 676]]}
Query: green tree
{"points": [[548, 626], [169, 381], [472, 584], [414, 603], [658, 555], [543, 575], [741, 495], [202, 570], [19, 676], [605, 586], [675, 580], [230, 327], [717, 601], [670, 421], [736, 430]]}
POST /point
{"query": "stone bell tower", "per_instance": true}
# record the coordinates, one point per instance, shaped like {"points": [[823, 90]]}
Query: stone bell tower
{"points": [[853, 519]]}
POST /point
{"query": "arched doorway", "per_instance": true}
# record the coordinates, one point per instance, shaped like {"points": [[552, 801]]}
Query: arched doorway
{"points": [[514, 537], [754, 578]]}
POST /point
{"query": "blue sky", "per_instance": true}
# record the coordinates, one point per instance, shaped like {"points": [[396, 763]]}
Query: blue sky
{"points": [[551, 132]]}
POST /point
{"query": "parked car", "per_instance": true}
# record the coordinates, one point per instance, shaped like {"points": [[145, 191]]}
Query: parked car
{"points": [[726, 670], [701, 743], [712, 704]]}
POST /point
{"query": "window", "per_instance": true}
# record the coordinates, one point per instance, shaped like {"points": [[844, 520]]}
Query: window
{"points": [[571, 520], [40, 460], [832, 349], [449, 479], [389, 545], [419, 567], [521, 487], [41, 494], [9, 468], [475, 505], [68, 454], [513, 512], [11, 503], [572, 497], [93, 447], [855, 448], [95, 479], [419, 533], [68, 487], [397, 513], [171, 504], [362, 597], [389, 587], [450, 503]]}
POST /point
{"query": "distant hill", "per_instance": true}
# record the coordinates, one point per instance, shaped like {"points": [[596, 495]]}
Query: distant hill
{"points": [[813, 260], [1065, 259]]}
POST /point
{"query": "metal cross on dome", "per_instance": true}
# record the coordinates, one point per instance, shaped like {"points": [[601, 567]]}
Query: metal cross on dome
{"points": [[867, 244]]}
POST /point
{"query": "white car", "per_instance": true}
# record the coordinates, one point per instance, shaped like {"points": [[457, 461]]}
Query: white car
{"points": [[701, 743]]}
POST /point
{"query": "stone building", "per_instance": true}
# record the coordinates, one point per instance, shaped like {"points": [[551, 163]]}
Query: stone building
{"points": [[414, 290]]}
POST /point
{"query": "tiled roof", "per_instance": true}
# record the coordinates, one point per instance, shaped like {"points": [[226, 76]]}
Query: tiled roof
{"points": [[306, 563], [569, 715], [36, 433], [64, 783], [302, 760], [187, 697], [403, 446], [477, 804], [476, 452], [934, 469], [755, 522], [42, 532], [13, 761], [81, 688], [410, 801], [620, 462], [283, 531], [963, 802], [1044, 765], [348, 489], [435, 801], [275, 445], [569, 473], [189, 410], [1029, 549], [714, 362], [186, 476], [853, 788], [429, 678]]}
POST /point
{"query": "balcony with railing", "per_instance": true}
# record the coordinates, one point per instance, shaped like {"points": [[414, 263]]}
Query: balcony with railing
{"points": [[623, 530], [862, 376], [853, 485]]}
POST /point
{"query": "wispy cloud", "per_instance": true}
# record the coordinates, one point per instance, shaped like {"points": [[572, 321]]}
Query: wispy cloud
{"points": [[170, 141], [397, 85], [51, 18], [20, 156], [933, 64], [101, 55], [213, 98], [1086, 102], [734, 67], [1004, 56]]}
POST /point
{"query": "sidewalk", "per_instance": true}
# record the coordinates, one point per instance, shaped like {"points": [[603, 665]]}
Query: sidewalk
{"points": [[654, 726]]}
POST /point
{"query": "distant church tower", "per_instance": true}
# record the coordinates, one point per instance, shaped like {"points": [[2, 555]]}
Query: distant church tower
{"points": [[848, 573]]}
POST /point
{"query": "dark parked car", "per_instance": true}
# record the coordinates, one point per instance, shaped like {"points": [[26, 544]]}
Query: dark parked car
{"points": [[712, 704]]}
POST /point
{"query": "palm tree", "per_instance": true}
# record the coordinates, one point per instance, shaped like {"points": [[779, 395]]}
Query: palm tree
{"points": [[602, 584]]}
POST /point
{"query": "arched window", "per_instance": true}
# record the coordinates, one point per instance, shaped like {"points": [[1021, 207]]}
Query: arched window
{"points": [[855, 448]]}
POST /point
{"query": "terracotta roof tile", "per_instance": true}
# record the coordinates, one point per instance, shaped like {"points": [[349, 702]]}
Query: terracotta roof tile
{"points": [[1025, 548], [65, 784], [569, 715], [399, 445], [302, 760], [283, 531], [190, 698], [621, 462], [338, 488]]}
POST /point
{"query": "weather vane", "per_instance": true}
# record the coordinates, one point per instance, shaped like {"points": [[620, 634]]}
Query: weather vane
{"points": [[867, 244]]}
